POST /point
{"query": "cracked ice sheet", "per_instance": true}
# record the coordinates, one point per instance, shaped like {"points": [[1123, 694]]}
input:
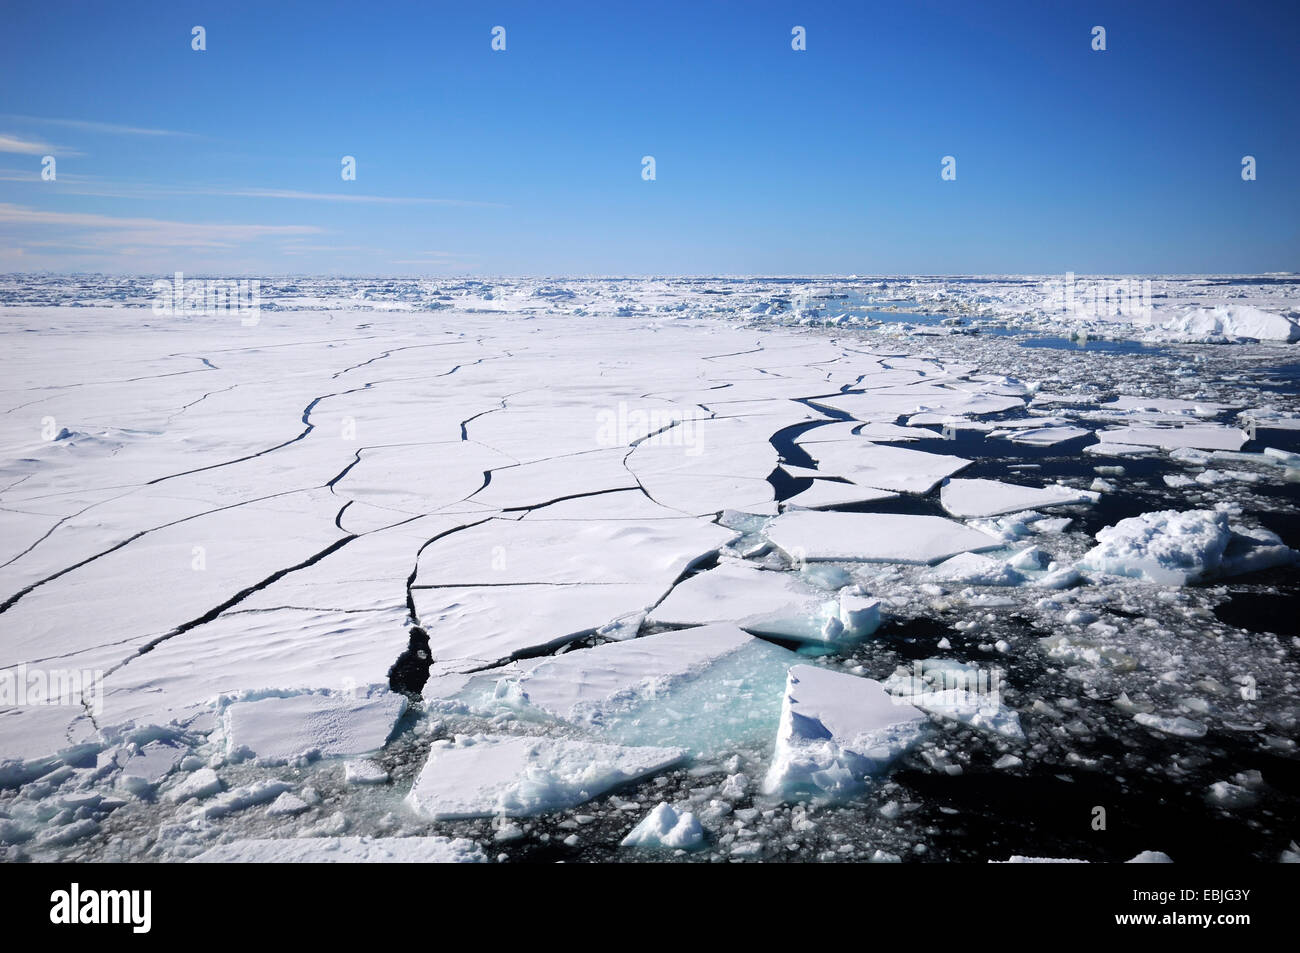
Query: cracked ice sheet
{"points": [[501, 552], [492, 775], [976, 498], [252, 653], [873, 537], [345, 850], [472, 626], [887, 404], [169, 577]]}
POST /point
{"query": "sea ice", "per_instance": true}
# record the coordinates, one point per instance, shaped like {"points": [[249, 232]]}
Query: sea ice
{"points": [[515, 776], [1174, 548], [872, 537], [277, 730], [666, 827], [345, 850], [836, 730], [971, 498]]}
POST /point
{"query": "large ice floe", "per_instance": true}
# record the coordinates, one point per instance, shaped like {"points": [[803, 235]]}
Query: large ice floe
{"points": [[460, 570]]}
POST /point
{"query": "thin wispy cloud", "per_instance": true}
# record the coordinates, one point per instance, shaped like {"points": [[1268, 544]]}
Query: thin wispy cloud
{"points": [[87, 186], [89, 125], [30, 147], [151, 231]]}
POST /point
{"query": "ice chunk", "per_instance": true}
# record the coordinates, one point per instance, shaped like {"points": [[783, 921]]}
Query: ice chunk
{"points": [[493, 775], [199, 785], [873, 537], [346, 850], [836, 730], [1047, 436], [666, 827], [640, 692], [277, 730], [970, 498], [1172, 548]]}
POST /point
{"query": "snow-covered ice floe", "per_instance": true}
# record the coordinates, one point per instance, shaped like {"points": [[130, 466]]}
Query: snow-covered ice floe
{"points": [[970, 498], [872, 537], [516, 776]]}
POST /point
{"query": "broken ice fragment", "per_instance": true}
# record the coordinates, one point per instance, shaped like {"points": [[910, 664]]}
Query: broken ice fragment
{"points": [[666, 827], [836, 730]]}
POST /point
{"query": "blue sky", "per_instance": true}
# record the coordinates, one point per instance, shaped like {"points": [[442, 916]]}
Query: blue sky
{"points": [[768, 161]]}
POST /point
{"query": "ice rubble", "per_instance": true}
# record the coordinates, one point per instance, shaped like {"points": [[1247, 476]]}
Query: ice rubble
{"points": [[836, 730], [516, 776], [1173, 548], [345, 850]]}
